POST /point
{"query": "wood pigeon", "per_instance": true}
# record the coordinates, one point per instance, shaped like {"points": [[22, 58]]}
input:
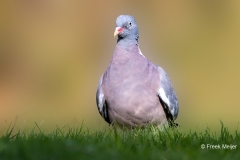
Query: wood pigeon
{"points": [[134, 92]]}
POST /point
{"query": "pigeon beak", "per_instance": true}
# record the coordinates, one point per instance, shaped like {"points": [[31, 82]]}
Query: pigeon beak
{"points": [[117, 31]]}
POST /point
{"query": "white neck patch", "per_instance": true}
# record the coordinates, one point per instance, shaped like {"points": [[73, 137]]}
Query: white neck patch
{"points": [[140, 52]]}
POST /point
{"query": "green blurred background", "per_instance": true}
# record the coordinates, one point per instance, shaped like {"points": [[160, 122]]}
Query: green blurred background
{"points": [[52, 54]]}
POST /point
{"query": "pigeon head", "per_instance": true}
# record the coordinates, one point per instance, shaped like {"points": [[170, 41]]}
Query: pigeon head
{"points": [[126, 28]]}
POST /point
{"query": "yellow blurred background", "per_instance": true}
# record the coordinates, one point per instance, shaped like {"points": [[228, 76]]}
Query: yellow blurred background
{"points": [[52, 54]]}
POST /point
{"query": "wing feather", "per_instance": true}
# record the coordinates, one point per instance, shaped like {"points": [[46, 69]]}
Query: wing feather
{"points": [[167, 94], [101, 102]]}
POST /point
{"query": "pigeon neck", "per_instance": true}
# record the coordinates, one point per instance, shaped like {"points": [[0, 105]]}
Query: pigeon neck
{"points": [[125, 42]]}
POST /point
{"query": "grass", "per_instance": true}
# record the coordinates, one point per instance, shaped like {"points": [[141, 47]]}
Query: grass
{"points": [[149, 143]]}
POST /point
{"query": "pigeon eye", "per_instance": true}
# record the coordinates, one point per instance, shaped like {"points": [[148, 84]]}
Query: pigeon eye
{"points": [[130, 23]]}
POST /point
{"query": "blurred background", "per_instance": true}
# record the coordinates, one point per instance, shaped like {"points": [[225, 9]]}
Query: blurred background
{"points": [[52, 54]]}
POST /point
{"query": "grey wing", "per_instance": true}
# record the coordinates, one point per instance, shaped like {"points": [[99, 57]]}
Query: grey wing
{"points": [[167, 94], [101, 102]]}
